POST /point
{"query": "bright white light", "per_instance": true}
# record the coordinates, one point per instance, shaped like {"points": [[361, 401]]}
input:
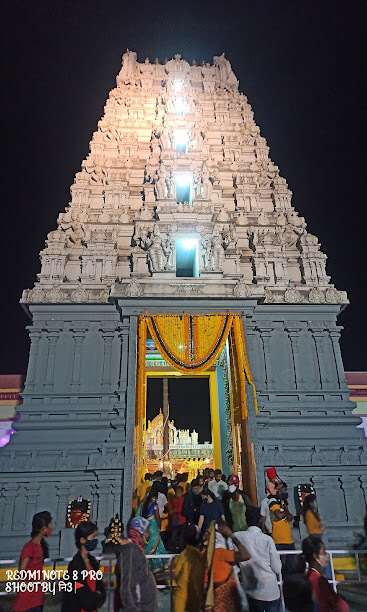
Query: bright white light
{"points": [[178, 84], [181, 137], [190, 243], [180, 106], [183, 180]]}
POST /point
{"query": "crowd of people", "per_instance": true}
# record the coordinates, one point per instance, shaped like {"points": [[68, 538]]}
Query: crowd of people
{"points": [[226, 552]]}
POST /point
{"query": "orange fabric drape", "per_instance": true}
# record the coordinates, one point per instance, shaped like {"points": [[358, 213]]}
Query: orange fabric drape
{"points": [[189, 343]]}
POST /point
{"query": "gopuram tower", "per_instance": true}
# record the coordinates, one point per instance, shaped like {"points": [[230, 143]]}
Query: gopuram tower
{"points": [[178, 209]]}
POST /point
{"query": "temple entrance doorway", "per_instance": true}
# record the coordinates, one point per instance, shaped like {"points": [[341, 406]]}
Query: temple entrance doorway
{"points": [[210, 350], [178, 437]]}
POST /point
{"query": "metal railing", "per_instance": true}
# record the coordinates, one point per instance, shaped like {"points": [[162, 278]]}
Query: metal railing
{"points": [[107, 563]]}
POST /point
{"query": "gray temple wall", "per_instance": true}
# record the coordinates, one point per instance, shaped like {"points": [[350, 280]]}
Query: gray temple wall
{"points": [[71, 437], [304, 426], [76, 432]]}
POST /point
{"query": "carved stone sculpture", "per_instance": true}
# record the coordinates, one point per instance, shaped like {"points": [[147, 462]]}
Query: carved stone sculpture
{"points": [[129, 67], [161, 184], [217, 253], [226, 74], [156, 249]]}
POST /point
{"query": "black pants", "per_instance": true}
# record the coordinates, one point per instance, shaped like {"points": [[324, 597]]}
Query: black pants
{"points": [[178, 534], [289, 562]]}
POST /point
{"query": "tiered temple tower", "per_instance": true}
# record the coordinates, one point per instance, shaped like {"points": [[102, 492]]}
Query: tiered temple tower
{"points": [[178, 207]]}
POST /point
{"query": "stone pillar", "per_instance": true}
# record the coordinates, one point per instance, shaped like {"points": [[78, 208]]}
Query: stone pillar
{"points": [[335, 338], [2, 506], [35, 335], [330, 497], [363, 480], [52, 338], [79, 337], [94, 503], [353, 497], [103, 490], [63, 494], [322, 493], [124, 340], [266, 334], [20, 504], [250, 339], [130, 418], [32, 494], [323, 358], [298, 358], [107, 336], [10, 494]]}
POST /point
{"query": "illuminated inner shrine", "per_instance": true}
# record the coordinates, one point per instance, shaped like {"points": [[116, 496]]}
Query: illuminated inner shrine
{"points": [[181, 231]]}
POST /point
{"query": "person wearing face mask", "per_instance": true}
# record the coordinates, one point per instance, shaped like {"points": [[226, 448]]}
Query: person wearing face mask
{"points": [[281, 520], [31, 559], [313, 523], [311, 516], [323, 594], [91, 595], [270, 491], [135, 584]]}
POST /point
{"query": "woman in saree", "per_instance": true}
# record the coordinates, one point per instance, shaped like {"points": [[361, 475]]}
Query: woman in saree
{"points": [[149, 510]]}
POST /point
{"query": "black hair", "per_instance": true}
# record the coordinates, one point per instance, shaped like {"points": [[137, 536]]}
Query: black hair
{"points": [[190, 535], [158, 474], [217, 471], [208, 492], [310, 546], [179, 487], [148, 500], [41, 519], [84, 529], [297, 592], [252, 516], [309, 499], [164, 486], [147, 476], [157, 487], [195, 482]]}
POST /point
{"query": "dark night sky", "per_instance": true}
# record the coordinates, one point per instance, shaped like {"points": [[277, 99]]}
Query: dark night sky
{"points": [[301, 64], [189, 403]]}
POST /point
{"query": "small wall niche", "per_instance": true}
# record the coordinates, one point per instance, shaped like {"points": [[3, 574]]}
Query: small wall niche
{"points": [[183, 189], [187, 257]]}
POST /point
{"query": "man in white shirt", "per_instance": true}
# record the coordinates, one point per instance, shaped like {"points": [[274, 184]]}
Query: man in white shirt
{"points": [[217, 486], [265, 561], [264, 508]]}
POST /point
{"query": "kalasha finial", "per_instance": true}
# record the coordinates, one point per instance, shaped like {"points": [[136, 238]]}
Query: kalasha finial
{"points": [[156, 61], [194, 62], [203, 63]]}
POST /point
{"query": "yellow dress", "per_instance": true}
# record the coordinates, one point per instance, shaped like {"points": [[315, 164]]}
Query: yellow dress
{"points": [[189, 577]]}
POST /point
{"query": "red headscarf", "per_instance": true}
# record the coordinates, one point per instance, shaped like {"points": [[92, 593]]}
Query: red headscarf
{"points": [[136, 537], [136, 529]]}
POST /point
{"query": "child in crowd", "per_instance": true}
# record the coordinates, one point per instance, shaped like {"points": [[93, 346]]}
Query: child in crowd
{"points": [[178, 519]]}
